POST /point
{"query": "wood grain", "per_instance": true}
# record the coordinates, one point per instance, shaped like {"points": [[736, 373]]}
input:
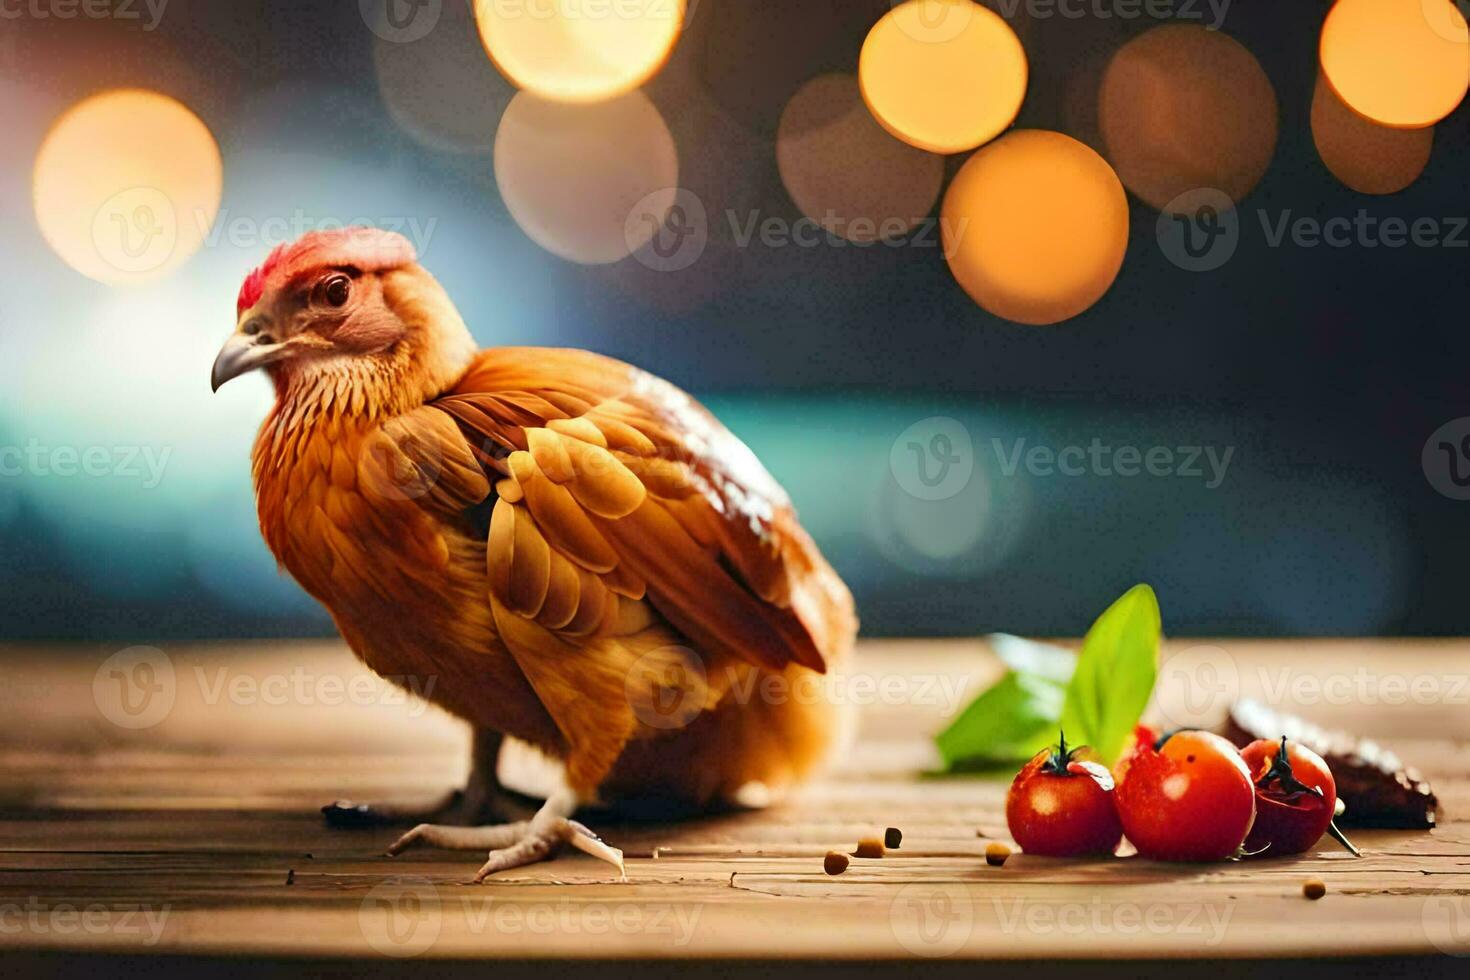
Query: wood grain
{"points": [[199, 834]]}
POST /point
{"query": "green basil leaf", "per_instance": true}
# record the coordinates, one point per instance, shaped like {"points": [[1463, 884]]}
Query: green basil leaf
{"points": [[1115, 675], [1054, 663], [1011, 721]]}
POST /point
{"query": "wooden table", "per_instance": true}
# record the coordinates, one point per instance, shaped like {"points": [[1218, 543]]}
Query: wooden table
{"points": [[193, 830]]}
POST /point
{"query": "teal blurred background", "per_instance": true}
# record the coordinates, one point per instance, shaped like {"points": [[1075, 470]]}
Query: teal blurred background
{"points": [[1318, 375]]}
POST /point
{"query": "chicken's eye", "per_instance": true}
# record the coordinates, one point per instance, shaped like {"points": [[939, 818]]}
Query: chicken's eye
{"points": [[336, 290]]}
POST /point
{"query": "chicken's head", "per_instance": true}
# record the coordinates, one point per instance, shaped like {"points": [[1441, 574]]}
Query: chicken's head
{"points": [[347, 306]]}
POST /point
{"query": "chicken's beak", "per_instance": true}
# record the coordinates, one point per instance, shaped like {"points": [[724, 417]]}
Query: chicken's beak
{"points": [[241, 354]]}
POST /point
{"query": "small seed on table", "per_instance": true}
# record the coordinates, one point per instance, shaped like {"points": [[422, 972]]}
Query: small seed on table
{"points": [[892, 837], [996, 853], [869, 847], [834, 863], [1314, 889]]}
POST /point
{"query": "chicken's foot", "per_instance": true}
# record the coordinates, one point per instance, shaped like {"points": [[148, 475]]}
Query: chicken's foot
{"points": [[514, 845]]}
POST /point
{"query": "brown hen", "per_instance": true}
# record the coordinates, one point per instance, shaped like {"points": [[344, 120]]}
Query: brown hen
{"points": [[557, 546]]}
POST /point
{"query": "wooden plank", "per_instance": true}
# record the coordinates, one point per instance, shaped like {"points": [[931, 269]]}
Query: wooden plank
{"points": [[199, 834]]}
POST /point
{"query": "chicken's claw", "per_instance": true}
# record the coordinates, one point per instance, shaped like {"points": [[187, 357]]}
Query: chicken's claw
{"points": [[514, 845], [542, 839]]}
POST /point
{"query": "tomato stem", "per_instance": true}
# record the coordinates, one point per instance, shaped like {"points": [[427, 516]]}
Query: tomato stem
{"points": [[1341, 838], [1057, 762], [1280, 771]]}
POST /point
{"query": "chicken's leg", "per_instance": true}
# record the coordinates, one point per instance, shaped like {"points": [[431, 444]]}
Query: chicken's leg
{"points": [[515, 845], [481, 798]]}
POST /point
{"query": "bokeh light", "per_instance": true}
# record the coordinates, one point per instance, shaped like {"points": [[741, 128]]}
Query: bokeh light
{"points": [[942, 538], [944, 75], [1367, 157], [845, 172], [579, 52], [573, 176], [1035, 226], [440, 88], [1402, 63], [1183, 107], [127, 185]]}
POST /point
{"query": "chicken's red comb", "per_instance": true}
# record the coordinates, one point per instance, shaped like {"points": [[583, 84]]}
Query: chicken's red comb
{"points": [[366, 249]]}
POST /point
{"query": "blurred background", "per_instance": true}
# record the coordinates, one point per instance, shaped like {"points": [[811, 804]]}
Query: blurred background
{"points": [[1255, 429]]}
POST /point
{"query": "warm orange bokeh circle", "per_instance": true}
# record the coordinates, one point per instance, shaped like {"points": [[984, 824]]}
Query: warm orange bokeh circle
{"points": [[1035, 226], [943, 75], [1403, 63]]}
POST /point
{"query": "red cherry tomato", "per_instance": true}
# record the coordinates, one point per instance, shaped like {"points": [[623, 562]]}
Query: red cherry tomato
{"points": [[1295, 798], [1062, 806], [1188, 799]]}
